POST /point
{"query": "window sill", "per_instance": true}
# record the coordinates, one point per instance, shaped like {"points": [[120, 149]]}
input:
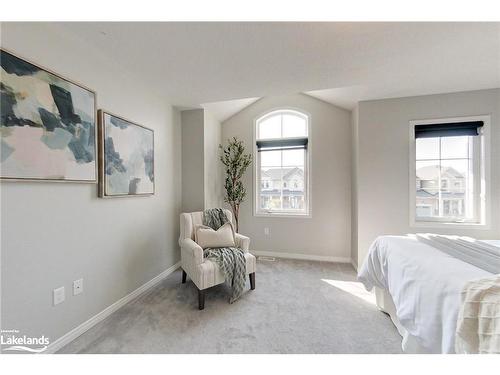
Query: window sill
{"points": [[283, 215], [443, 224]]}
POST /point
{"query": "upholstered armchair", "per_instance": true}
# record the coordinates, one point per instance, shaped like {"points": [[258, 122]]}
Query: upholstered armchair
{"points": [[203, 272]]}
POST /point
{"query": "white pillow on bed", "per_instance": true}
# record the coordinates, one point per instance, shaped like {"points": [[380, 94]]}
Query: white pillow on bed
{"points": [[207, 237]]}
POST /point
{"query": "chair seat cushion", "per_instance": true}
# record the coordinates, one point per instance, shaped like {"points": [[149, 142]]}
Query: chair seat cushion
{"points": [[209, 274]]}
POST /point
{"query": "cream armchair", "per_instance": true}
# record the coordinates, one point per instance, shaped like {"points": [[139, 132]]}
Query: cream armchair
{"points": [[203, 272]]}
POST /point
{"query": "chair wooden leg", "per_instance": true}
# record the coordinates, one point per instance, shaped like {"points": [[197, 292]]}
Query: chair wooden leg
{"points": [[184, 274], [252, 280], [201, 299]]}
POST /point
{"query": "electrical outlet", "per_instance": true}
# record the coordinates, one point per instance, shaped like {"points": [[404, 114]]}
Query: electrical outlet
{"points": [[59, 295], [77, 287], [266, 231]]}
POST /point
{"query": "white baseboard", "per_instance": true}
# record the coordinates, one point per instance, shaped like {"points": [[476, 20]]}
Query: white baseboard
{"points": [[85, 326], [321, 258]]}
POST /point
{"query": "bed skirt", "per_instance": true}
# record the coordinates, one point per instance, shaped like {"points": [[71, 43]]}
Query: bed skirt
{"points": [[385, 304]]}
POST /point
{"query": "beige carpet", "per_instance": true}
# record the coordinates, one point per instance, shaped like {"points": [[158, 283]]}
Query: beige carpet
{"points": [[297, 307]]}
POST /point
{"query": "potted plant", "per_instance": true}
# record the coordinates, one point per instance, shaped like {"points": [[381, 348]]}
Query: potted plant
{"points": [[235, 163]]}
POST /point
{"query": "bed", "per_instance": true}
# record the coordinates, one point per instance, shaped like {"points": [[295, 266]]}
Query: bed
{"points": [[419, 286]]}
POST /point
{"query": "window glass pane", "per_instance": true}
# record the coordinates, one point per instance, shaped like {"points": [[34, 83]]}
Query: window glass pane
{"points": [[456, 173], [268, 192], [294, 126], [273, 201], [457, 198], [271, 175], [270, 127], [428, 174], [293, 188], [270, 158], [293, 158], [454, 147], [455, 170], [270, 195], [427, 189], [427, 148], [443, 189], [282, 188], [428, 170]]}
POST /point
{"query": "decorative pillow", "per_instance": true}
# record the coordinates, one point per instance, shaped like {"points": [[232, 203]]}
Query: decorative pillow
{"points": [[207, 237]]}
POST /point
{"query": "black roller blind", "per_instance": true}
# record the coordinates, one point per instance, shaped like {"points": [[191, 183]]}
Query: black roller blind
{"points": [[280, 144], [449, 129]]}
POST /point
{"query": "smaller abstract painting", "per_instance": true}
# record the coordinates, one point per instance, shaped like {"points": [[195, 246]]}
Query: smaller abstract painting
{"points": [[126, 157]]}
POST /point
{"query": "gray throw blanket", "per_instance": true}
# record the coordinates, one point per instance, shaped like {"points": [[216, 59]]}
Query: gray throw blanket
{"points": [[479, 254], [230, 260]]}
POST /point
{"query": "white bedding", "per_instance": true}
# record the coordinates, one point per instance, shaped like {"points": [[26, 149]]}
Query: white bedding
{"points": [[425, 285]]}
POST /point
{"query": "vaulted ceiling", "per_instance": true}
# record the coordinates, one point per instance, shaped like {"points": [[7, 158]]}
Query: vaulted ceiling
{"points": [[195, 63]]}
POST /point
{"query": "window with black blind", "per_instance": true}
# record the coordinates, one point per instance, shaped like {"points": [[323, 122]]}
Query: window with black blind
{"points": [[282, 173], [449, 170]]}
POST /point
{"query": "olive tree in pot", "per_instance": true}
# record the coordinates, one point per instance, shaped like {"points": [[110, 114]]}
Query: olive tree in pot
{"points": [[235, 163]]}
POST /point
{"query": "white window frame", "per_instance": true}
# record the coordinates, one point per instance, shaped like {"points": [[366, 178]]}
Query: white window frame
{"points": [[257, 211], [483, 184]]}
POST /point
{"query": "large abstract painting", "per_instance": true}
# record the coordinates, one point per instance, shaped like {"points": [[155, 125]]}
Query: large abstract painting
{"points": [[47, 125], [126, 162]]}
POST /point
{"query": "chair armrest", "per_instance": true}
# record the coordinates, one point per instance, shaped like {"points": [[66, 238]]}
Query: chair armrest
{"points": [[242, 242], [192, 249]]}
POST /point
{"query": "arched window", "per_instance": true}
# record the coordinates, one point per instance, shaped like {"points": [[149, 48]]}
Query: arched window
{"points": [[282, 147]]}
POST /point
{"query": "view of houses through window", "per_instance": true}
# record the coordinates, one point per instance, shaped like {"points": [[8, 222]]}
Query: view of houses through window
{"points": [[282, 180], [445, 178]]}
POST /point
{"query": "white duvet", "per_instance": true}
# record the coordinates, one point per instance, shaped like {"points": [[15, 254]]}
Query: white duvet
{"points": [[425, 285]]}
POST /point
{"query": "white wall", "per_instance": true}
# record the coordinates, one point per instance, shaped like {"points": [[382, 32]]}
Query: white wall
{"points": [[214, 181], [193, 174], [54, 233], [383, 151], [327, 233]]}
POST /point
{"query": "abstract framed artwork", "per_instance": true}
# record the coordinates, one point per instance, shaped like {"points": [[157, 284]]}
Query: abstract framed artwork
{"points": [[47, 125], [126, 157]]}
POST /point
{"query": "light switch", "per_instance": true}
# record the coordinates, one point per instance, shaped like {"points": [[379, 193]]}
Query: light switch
{"points": [[266, 231], [59, 295]]}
